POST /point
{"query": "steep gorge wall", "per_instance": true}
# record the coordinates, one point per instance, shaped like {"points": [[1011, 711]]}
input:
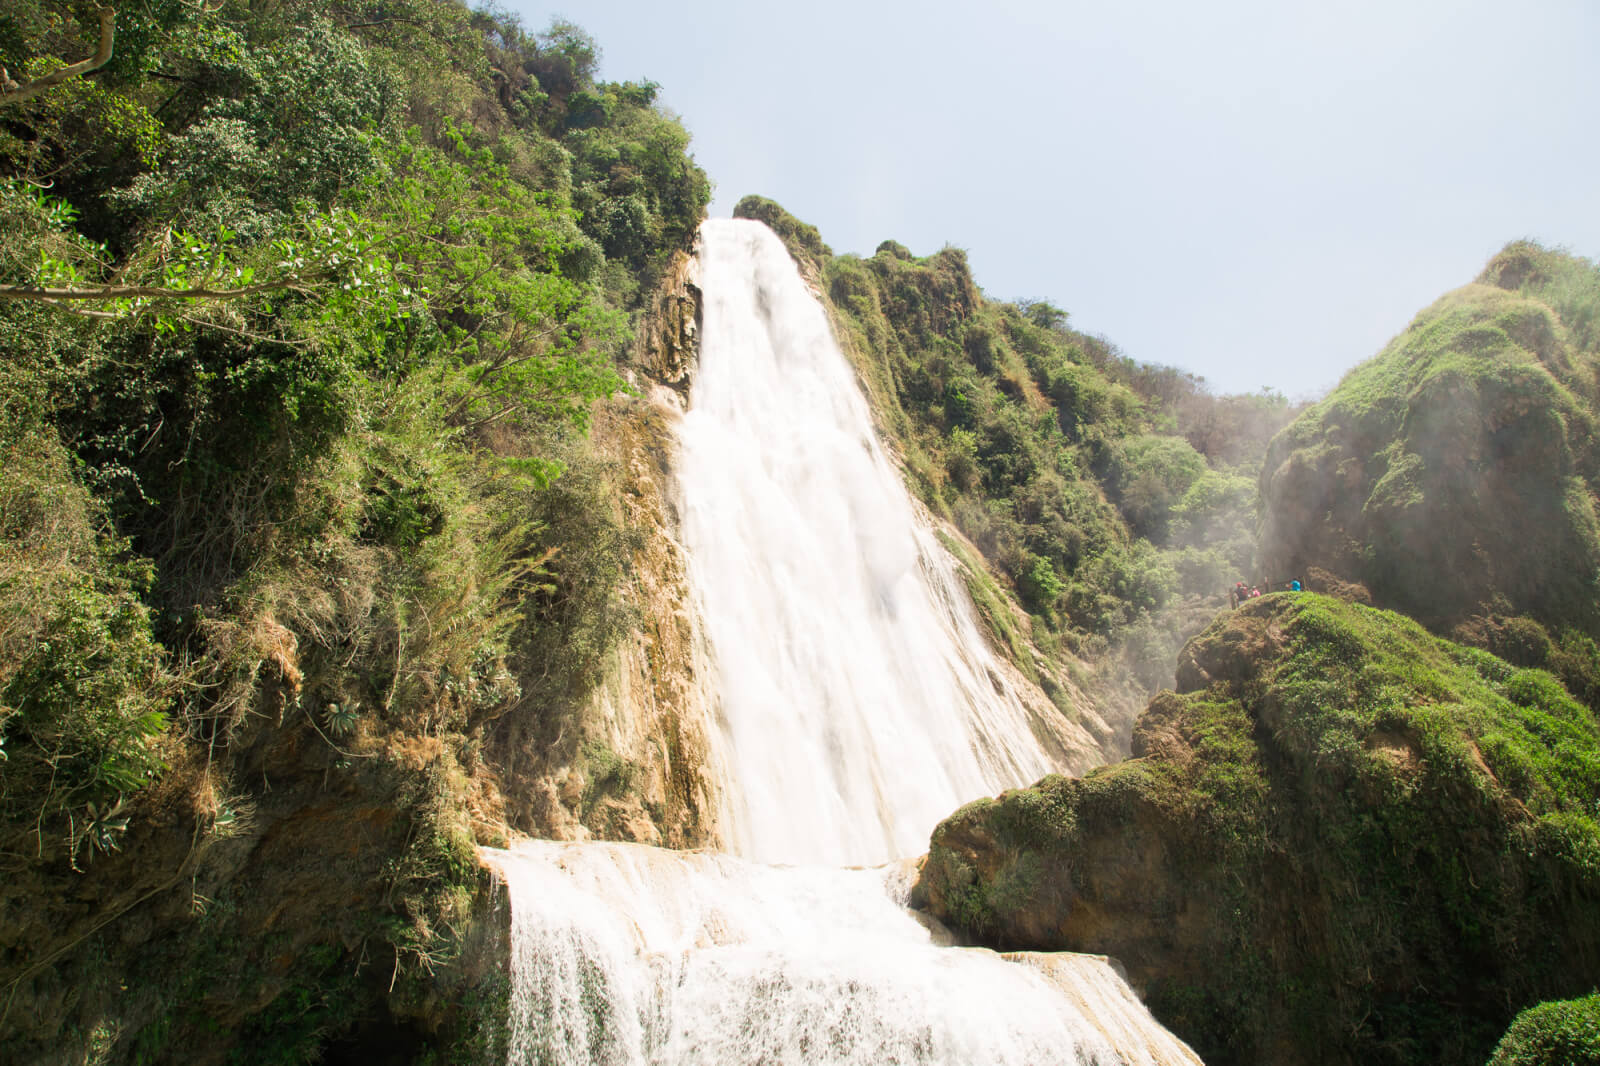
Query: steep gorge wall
{"points": [[260, 893], [294, 610]]}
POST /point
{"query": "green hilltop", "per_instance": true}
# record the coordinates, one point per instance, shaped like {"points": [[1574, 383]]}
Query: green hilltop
{"points": [[1454, 475]]}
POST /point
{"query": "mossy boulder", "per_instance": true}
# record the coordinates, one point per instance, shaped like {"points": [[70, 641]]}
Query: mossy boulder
{"points": [[1346, 840], [1457, 469]]}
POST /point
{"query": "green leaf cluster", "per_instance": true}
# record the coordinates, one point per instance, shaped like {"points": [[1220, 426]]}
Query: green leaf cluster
{"points": [[1563, 1033], [84, 686]]}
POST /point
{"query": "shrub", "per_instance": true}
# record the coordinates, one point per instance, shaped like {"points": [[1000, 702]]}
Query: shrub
{"points": [[1562, 1033], [801, 237]]}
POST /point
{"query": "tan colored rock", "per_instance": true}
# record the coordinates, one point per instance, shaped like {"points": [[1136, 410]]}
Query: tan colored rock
{"points": [[633, 765]]}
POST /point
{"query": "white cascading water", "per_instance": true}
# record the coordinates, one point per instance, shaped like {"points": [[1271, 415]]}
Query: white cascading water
{"points": [[624, 954], [858, 706]]}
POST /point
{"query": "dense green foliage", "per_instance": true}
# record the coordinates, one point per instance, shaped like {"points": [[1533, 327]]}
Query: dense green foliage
{"points": [[802, 238], [86, 687], [303, 308], [1349, 841], [1454, 474], [1566, 1033]]}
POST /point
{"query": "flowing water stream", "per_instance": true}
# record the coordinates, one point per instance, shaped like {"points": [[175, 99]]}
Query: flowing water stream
{"points": [[858, 704], [624, 954]]}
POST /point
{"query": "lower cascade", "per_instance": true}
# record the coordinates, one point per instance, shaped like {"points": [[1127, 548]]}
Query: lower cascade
{"points": [[857, 705], [625, 954]]}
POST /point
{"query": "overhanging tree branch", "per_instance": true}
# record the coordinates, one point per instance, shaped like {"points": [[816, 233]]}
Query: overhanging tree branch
{"points": [[49, 295], [13, 93]]}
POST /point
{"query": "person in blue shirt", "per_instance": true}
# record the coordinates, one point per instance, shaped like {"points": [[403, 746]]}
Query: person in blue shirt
{"points": [[1294, 586]]}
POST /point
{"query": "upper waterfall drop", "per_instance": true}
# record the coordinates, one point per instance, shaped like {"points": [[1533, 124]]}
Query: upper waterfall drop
{"points": [[859, 703]]}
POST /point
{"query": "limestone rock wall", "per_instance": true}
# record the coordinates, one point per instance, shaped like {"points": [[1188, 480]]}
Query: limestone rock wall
{"points": [[633, 763]]}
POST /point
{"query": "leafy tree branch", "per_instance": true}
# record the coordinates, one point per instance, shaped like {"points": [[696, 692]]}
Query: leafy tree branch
{"points": [[11, 92]]}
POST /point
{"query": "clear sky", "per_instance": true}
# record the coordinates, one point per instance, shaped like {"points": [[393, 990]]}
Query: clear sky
{"points": [[1261, 193]]}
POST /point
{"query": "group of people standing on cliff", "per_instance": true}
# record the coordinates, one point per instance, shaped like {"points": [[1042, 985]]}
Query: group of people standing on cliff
{"points": [[1241, 592]]}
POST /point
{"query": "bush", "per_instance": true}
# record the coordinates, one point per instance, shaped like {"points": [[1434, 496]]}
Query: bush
{"points": [[1563, 1033], [801, 237], [1149, 476], [1040, 587]]}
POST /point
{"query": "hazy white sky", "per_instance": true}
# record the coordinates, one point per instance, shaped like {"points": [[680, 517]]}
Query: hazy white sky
{"points": [[1261, 193]]}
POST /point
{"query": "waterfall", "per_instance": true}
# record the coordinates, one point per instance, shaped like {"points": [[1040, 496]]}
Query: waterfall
{"points": [[858, 704], [625, 954]]}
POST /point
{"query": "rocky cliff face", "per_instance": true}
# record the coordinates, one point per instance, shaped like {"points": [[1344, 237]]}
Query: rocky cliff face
{"points": [[270, 903], [631, 760], [1343, 841], [633, 764], [669, 336]]}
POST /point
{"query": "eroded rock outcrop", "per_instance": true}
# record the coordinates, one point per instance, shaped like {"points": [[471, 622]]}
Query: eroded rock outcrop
{"points": [[669, 334], [1345, 841], [631, 760]]}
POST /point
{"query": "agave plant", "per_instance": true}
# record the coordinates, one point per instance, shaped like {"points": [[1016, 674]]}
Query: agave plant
{"points": [[342, 718], [103, 831]]}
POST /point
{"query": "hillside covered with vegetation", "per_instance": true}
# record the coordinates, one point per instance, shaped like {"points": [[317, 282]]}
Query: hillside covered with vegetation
{"points": [[303, 311], [1454, 475], [1347, 837]]}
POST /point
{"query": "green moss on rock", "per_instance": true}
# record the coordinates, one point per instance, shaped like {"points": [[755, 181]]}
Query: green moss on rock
{"points": [[1346, 840]]}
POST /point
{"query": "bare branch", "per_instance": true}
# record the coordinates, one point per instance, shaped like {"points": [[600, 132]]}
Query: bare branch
{"points": [[246, 334], [382, 22], [45, 294], [13, 93]]}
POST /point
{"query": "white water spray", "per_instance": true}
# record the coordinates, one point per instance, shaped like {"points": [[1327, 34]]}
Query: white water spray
{"points": [[858, 705]]}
